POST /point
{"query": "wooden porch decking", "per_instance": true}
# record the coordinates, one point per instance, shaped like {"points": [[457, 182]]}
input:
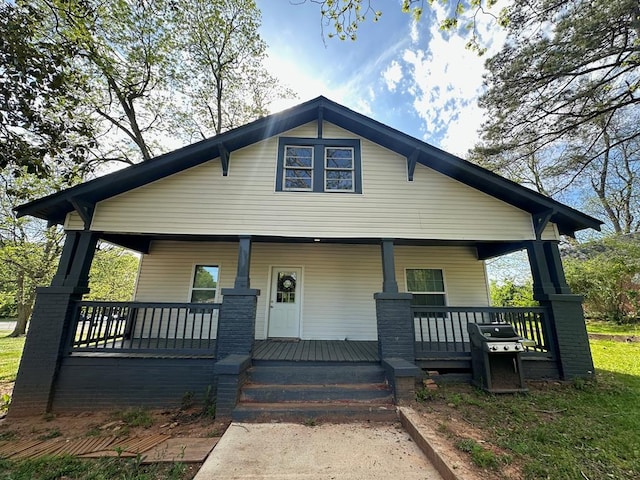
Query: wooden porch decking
{"points": [[316, 351]]}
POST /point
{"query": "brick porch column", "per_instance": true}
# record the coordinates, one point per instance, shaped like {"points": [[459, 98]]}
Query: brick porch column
{"points": [[236, 324], [396, 336], [567, 329], [49, 332]]}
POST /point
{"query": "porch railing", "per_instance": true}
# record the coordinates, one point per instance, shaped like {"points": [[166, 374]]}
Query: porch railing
{"points": [[141, 327], [444, 329]]}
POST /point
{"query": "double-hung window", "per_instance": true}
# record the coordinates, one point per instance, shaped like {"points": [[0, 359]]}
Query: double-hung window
{"points": [[338, 170], [204, 285], [427, 286], [319, 165], [298, 168]]}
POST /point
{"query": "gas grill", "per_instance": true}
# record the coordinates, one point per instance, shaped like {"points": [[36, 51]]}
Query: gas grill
{"points": [[496, 357]]}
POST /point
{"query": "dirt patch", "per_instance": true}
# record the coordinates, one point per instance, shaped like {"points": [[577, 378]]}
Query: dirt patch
{"points": [[454, 431], [615, 338]]}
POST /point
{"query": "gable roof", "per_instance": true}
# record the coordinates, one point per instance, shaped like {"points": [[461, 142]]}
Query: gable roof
{"points": [[55, 207]]}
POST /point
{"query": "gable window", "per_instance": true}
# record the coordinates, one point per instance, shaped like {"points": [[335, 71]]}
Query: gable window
{"points": [[427, 286], [204, 285], [319, 165], [298, 168], [338, 170]]}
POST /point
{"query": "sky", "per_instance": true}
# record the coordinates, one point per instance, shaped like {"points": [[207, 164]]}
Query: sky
{"points": [[410, 76]]}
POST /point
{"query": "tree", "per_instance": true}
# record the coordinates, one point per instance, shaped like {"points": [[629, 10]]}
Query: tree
{"points": [[563, 102], [126, 49], [511, 294], [343, 17], [607, 273], [113, 274], [28, 251], [40, 94], [223, 79]]}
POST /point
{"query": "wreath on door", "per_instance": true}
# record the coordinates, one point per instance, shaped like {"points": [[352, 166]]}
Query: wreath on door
{"points": [[287, 284]]}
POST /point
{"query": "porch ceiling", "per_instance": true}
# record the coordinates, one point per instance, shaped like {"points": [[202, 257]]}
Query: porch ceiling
{"points": [[142, 242]]}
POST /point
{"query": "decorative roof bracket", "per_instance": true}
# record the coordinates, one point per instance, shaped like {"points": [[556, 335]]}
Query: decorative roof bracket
{"points": [[224, 159], [85, 210], [540, 222], [411, 164]]}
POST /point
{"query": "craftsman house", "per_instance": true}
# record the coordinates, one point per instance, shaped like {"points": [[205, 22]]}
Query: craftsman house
{"points": [[312, 237]]}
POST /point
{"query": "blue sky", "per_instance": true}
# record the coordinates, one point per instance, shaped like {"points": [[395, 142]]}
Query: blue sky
{"points": [[409, 76]]}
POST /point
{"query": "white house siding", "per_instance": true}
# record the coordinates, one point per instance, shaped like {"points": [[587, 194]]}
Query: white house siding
{"points": [[338, 281], [202, 201]]}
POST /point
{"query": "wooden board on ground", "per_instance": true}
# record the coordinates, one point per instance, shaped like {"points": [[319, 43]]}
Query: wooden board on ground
{"points": [[184, 450]]}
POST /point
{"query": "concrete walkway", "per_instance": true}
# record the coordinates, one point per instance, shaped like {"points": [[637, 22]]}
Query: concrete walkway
{"points": [[329, 451]]}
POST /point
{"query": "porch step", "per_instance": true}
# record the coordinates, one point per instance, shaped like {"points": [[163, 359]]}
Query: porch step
{"points": [[297, 373], [317, 393], [329, 392], [334, 412]]}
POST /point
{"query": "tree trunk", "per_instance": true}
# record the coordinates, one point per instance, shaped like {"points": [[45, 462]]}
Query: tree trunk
{"points": [[24, 312]]}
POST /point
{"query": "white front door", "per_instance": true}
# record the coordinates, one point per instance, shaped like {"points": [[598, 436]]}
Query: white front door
{"points": [[284, 306]]}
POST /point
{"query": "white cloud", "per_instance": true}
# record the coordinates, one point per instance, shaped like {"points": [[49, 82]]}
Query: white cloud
{"points": [[446, 81], [392, 75]]}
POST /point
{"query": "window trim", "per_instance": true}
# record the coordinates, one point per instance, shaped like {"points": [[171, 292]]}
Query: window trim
{"points": [[444, 283], [192, 281], [319, 167]]}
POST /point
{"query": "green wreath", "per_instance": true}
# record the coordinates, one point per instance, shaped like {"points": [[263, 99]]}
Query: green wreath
{"points": [[287, 284]]}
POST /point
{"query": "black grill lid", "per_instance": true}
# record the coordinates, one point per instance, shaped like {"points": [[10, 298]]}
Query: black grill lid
{"points": [[495, 331]]}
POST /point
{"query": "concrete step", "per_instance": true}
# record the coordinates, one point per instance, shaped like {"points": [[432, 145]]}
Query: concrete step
{"points": [[303, 412], [371, 392], [298, 373]]}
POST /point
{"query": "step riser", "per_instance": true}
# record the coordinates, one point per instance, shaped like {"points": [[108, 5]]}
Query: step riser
{"points": [[275, 394], [316, 375], [313, 414]]}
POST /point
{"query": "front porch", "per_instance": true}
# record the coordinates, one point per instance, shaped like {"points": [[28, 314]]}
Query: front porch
{"points": [[153, 353], [190, 330]]}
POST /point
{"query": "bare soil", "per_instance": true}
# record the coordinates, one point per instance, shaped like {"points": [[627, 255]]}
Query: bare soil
{"points": [[452, 427], [444, 418]]}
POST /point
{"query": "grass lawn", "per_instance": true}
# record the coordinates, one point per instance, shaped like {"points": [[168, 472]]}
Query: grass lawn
{"points": [[10, 352], [100, 469], [581, 430]]}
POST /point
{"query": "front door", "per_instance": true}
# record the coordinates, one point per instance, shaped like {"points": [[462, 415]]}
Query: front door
{"points": [[284, 307]]}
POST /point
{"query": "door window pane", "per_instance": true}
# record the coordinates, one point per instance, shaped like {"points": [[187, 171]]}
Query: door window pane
{"points": [[286, 289]]}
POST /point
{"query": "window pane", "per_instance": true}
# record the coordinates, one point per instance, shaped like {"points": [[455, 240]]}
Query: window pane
{"points": [[297, 183], [299, 157], [205, 277], [203, 296], [425, 280], [428, 299], [339, 158], [339, 185], [339, 174]]}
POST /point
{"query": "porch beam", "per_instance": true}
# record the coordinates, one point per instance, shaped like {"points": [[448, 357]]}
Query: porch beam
{"points": [[244, 263], [485, 251], [132, 242], [540, 222], [389, 283], [224, 159]]}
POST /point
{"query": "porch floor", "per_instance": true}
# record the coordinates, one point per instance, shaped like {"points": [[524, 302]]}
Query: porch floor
{"points": [[316, 351]]}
